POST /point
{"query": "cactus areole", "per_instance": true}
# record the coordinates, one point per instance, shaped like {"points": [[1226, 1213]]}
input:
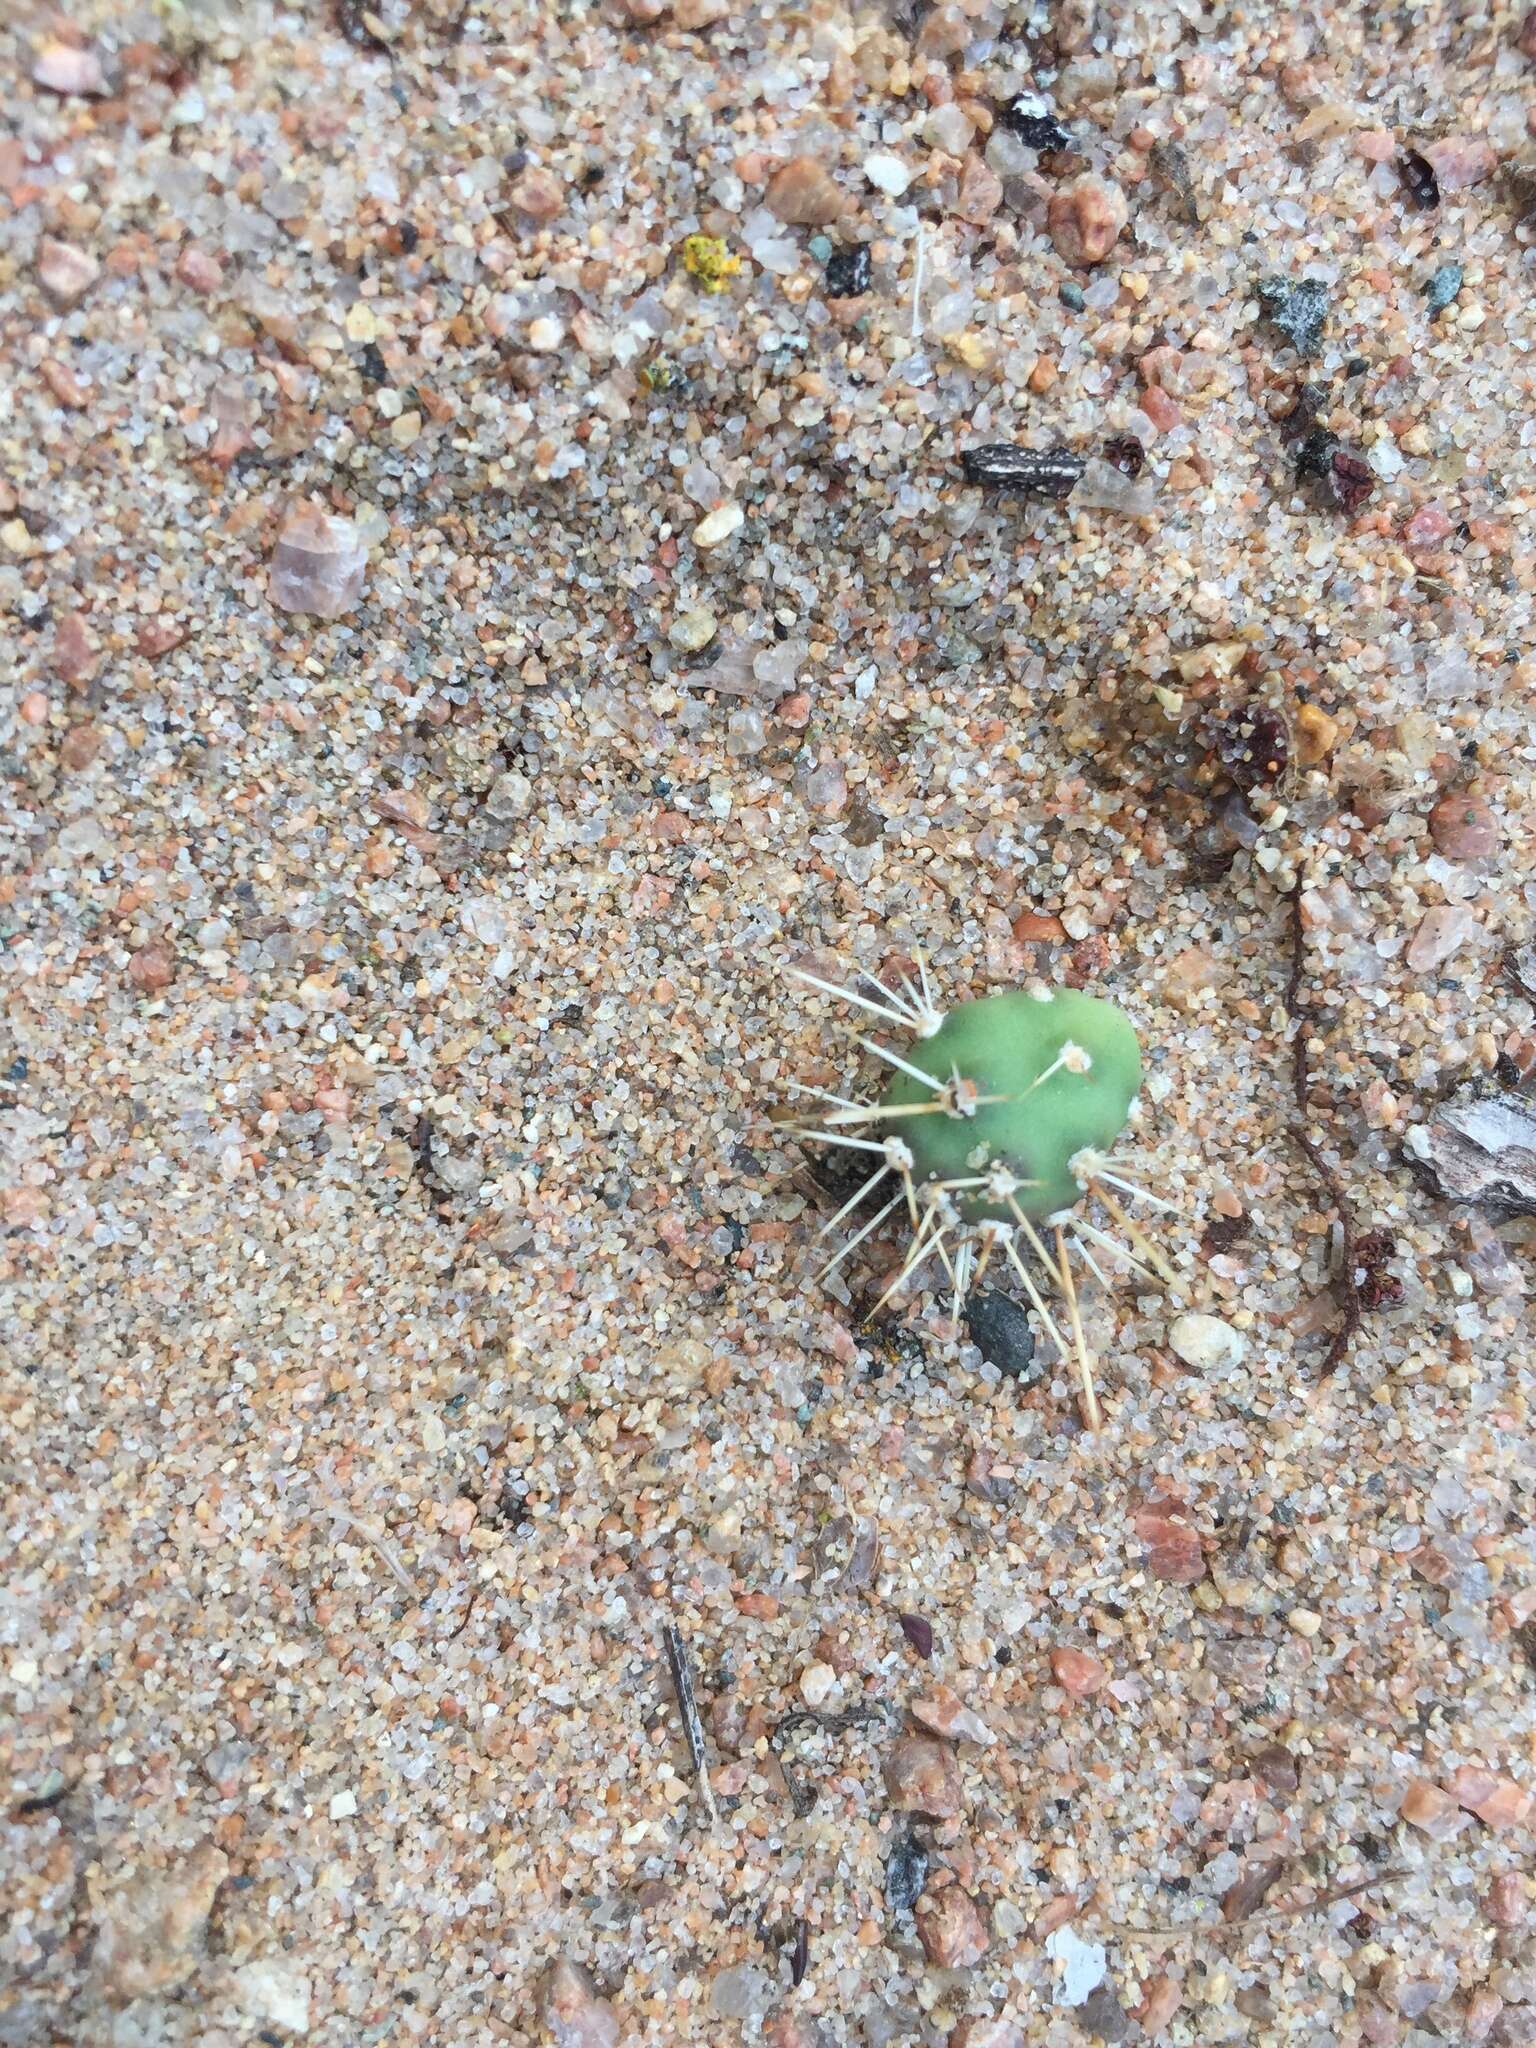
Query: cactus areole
{"points": [[1027, 1081]]}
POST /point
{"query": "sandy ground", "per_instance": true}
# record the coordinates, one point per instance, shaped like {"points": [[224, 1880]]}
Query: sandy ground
{"points": [[405, 1309]]}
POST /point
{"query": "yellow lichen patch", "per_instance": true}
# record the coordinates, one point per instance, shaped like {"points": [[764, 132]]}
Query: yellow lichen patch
{"points": [[708, 259]]}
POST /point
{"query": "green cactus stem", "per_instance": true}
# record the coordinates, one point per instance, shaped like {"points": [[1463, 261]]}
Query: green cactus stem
{"points": [[1023, 1082], [996, 1129]]}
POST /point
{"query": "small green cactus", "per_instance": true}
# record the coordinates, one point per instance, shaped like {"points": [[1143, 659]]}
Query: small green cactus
{"points": [[1034, 1080], [996, 1127]]}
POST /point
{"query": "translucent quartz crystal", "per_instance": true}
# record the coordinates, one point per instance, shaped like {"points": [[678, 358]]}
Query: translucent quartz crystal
{"points": [[318, 564]]}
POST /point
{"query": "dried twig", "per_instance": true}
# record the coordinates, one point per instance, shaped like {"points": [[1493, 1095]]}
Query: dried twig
{"points": [[801, 1799], [380, 1547], [800, 1956], [687, 1707], [1195, 1928], [1303, 1016]]}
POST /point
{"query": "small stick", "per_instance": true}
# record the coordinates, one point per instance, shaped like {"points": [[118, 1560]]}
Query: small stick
{"points": [[693, 1727], [1084, 1356], [1305, 1019], [376, 1543], [1320, 1904]]}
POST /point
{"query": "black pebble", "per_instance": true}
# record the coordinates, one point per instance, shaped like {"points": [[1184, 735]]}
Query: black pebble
{"points": [[372, 365], [906, 1872], [1103, 2016], [1001, 1332], [848, 271], [1035, 125]]}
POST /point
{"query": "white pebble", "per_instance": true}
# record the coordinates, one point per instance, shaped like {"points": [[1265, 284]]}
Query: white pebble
{"points": [[1206, 1341], [691, 631], [818, 1684], [1083, 1964], [718, 526], [887, 173]]}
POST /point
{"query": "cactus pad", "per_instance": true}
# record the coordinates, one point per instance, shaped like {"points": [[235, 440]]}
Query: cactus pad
{"points": [[1049, 1075]]}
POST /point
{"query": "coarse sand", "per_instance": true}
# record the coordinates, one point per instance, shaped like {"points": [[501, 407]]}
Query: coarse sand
{"points": [[489, 583]]}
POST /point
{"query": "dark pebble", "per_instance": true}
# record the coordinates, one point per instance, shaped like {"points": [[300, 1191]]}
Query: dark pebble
{"points": [[1103, 2016], [1315, 453], [919, 1633], [1248, 1893], [1001, 1332], [1071, 296], [1035, 125], [906, 1872], [848, 272], [1033, 472], [1275, 1768], [1443, 287], [863, 825], [17, 1070], [1419, 180], [1298, 307]]}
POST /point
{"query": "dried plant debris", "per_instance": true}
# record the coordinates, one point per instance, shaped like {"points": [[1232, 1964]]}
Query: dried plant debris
{"points": [[682, 1687], [802, 1797], [1030, 472], [1337, 476], [1170, 166], [1298, 307], [1480, 1146]]}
